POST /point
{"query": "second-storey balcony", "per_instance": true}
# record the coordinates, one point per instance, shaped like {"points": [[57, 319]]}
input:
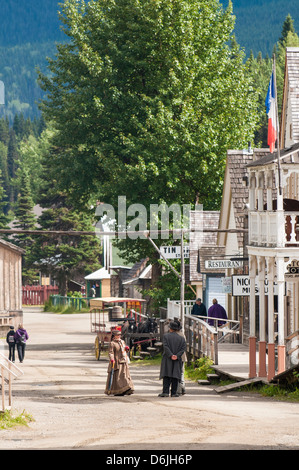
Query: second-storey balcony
{"points": [[274, 228]]}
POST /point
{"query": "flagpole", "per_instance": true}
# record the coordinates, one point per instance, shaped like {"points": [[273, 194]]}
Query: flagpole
{"points": [[277, 127]]}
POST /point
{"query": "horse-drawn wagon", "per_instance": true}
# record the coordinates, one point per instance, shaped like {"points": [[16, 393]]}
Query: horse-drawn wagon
{"points": [[110, 313]]}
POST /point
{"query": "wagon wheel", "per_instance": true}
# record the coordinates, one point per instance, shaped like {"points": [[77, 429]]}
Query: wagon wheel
{"points": [[97, 348]]}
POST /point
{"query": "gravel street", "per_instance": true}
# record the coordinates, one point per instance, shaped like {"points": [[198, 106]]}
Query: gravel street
{"points": [[63, 389]]}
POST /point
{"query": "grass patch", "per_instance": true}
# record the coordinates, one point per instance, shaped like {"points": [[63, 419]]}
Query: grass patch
{"points": [[7, 420], [63, 309], [282, 393], [148, 361], [199, 369]]}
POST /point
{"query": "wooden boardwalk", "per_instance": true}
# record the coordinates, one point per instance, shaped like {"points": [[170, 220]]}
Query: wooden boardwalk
{"points": [[233, 360]]}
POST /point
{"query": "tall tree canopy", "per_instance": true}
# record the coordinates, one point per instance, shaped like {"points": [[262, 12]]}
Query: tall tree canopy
{"points": [[146, 97]]}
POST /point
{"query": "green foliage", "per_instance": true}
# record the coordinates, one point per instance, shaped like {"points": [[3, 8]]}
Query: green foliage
{"points": [[8, 420], [149, 91], [145, 98], [199, 369]]}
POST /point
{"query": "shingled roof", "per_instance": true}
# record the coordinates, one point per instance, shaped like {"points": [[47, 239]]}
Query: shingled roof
{"points": [[202, 245], [290, 105]]}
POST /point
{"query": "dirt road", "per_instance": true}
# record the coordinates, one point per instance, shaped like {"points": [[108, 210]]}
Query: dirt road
{"points": [[63, 389]]}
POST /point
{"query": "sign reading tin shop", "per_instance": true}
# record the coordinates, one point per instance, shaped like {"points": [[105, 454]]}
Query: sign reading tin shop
{"points": [[223, 264], [241, 286]]}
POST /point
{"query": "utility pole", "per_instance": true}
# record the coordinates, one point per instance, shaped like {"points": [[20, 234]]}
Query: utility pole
{"points": [[181, 275]]}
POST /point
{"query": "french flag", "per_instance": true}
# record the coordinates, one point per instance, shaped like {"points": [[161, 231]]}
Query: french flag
{"points": [[271, 112]]}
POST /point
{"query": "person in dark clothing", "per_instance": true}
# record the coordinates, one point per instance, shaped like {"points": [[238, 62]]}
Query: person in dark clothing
{"points": [[199, 309], [10, 339], [171, 364], [21, 336], [217, 311]]}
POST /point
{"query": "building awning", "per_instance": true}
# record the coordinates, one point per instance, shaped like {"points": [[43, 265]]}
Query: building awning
{"points": [[98, 275]]}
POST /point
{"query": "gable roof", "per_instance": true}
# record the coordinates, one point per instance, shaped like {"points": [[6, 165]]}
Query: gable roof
{"points": [[288, 155], [11, 246]]}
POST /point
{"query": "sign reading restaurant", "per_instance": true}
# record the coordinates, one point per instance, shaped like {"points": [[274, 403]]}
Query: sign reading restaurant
{"points": [[223, 264]]}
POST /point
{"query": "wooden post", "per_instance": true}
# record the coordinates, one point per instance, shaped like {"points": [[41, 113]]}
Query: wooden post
{"points": [[3, 391]]}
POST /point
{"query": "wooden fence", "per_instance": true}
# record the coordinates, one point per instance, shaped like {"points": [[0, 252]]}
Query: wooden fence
{"points": [[37, 295]]}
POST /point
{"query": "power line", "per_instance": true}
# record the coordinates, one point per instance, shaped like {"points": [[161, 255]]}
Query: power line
{"points": [[116, 233]]}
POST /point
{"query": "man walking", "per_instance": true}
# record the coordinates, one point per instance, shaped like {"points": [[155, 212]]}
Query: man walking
{"points": [[171, 365], [217, 311], [199, 309]]}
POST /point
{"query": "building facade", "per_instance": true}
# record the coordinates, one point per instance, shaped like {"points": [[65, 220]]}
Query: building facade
{"points": [[10, 285], [273, 241]]}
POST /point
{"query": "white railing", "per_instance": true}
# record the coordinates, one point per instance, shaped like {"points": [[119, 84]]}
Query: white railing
{"points": [[8, 371], [273, 228], [174, 308]]}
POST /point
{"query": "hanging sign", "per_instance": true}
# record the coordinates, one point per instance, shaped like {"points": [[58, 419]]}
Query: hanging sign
{"points": [[292, 270], [223, 264], [173, 252], [241, 286]]}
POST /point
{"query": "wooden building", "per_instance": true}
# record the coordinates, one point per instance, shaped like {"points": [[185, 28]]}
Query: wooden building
{"points": [[10, 285]]}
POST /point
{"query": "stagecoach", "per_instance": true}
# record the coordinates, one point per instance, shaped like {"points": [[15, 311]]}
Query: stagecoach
{"points": [[110, 313]]}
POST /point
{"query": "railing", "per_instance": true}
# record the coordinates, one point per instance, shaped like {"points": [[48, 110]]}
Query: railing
{"points": [[201, 338], [75, 302], [37, 295], [174, 308], [8, 371], [274, 228]]}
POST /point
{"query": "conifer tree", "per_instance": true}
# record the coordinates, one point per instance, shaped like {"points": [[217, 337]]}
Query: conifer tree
{"points": [[4, 219], [64, 257], [25, 220]]}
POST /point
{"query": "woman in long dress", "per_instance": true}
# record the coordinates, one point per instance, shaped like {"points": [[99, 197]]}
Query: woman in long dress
{"points": [[118, 361]]}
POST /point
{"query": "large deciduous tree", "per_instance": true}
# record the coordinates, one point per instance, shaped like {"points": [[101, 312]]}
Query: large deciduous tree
{"points": [[146, 97]]}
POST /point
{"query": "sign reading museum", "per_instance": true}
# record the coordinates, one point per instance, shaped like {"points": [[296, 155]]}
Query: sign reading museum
{"points": [[241, 286]]}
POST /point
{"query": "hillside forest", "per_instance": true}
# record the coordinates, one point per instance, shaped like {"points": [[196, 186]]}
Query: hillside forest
{"points": [[73, 153]]}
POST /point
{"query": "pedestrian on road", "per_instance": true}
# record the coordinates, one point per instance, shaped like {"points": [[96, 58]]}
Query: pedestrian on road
{"points": [[21, 337], [181, 386], [119, 366], [171, 365], [10, 339], [217, 311], [199, 308]]}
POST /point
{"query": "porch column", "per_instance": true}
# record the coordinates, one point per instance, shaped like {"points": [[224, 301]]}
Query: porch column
{"points": [[262, 318], [271, 345], [252, 333], [281, 329]]}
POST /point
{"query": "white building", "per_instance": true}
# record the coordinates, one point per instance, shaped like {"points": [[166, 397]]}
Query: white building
{"points": [[273, 240]]}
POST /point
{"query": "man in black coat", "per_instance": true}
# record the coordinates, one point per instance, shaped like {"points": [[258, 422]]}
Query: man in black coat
{"points": [[171, 365]]}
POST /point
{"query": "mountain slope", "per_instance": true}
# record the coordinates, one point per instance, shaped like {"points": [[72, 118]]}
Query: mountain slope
{"points": [[29, 21], [259, 22], [29, 30]]}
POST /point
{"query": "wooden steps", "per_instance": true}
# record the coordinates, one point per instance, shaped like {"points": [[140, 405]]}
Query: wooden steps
{"points": [[243, 383]]}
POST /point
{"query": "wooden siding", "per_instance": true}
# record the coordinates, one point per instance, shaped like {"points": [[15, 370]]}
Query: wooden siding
{"points": [[10, 280]]}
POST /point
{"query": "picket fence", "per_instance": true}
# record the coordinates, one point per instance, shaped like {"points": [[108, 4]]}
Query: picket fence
{"points": [[37, 295]]}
